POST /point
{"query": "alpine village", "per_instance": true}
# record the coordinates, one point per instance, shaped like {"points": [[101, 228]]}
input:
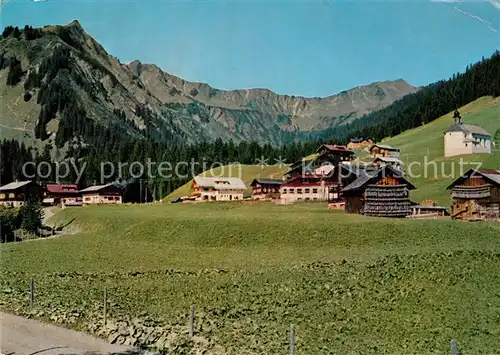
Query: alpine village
{"points": [[145, 214]]}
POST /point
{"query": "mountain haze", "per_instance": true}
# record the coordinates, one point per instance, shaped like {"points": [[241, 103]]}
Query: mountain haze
{"points": [[57, 83]]}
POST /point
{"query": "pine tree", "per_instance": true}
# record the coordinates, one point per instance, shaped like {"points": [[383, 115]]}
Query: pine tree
{"points": [[32, 215]]}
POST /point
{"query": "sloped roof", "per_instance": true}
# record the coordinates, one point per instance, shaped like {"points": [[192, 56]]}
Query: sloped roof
{"points": [[97, 188], [492, 176], [335, 148], [266, 182], [366, 177], [386, 147], [389, 160], [359, 140], [62, 188], [228, 183], [468, 128], [14, 185]]}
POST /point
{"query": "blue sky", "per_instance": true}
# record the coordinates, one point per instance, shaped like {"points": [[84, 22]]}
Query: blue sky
{"points": [[309, 48]]}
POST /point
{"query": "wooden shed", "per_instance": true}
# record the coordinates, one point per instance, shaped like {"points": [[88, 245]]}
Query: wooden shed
{"points": [[380, 193], [476, 196]]}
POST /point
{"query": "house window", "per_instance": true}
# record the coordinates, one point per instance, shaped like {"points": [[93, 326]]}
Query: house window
{"points": [[315, 199], [2, 196], [299, 191], [315, 191], [466, 145], [12, 195], [284, 191], [292, 191], [117, 198], [307, 191], [307, 198], [87, 199]]}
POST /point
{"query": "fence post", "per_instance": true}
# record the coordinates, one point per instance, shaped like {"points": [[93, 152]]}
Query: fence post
{"points": [[32, 292], [453, 344], [105, 310], [191, 321], [292, 340]]}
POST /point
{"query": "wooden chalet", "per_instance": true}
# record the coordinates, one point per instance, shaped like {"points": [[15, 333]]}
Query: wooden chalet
{"points": [[379, 150], [360, 143], [476, 196], [102, 194], [263, 189], [395, 162], [380, 193], [18, 193], [310, 187], [326, 154], [217, 189], [62, 195]]}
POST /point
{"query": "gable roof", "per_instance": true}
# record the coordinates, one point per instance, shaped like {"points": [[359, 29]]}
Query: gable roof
{"points": [[15, 185], [386, 147], [335, 148], [368, 176], [266, 182], [389, 160], [62, 188], [468, 128], [98, 187], [492, 176], [220, 183]]}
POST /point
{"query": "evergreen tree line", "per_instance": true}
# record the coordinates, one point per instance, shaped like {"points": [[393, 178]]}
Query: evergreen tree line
{"points": [[111, 149], [29, 32]]}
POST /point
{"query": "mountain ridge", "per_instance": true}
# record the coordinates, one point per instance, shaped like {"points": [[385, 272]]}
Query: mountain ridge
{"points": [[145, 101]]}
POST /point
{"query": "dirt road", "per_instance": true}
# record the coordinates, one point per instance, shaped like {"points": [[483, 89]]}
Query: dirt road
{"points": [[21, 336]]}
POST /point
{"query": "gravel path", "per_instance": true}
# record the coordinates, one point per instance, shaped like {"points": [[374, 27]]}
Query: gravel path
{"points": [[21, 336]]}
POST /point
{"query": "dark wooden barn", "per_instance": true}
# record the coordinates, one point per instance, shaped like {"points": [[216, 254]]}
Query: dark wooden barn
{"points": [[476, 196], [380, 193]]}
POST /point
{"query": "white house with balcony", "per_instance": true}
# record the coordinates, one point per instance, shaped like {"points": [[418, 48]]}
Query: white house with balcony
{"points": [[461, 139]]}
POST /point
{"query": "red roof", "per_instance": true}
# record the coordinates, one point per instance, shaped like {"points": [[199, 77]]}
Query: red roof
{"points": [[62, 188]]}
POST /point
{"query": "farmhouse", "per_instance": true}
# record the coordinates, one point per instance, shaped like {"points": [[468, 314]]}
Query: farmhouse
{"points": [[315, 186], [462, 138], [217, 189], [382, 193], [476, 195], [393, 161], [265, 189], [379, 150], [17, 193], [102, 194], [62, 195], [360, 143]]}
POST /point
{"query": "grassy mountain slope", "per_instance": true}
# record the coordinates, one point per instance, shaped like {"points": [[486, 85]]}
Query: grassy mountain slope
{"points": [[151, 100], [349, 284]]}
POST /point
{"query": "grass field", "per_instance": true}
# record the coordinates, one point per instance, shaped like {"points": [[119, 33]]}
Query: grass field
{"points": [[349, 284]]}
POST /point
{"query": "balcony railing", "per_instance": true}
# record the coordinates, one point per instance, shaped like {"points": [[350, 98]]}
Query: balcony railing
{"points": [[471, 192]]}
